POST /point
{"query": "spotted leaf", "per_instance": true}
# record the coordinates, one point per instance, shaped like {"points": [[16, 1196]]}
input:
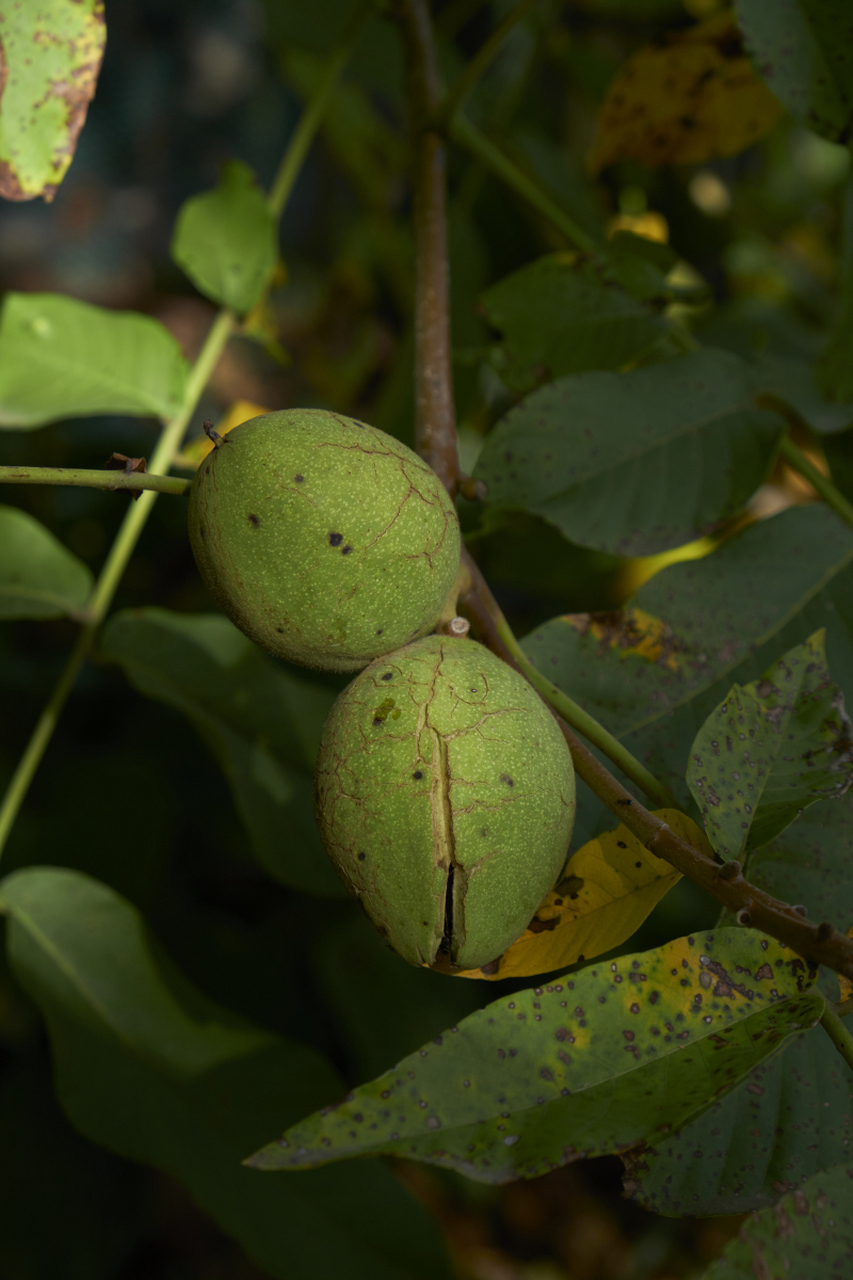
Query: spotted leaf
{"points": [[594, 1063], [607, 890], [771, 748]]}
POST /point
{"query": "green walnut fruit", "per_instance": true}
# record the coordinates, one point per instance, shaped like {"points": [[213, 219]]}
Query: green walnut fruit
{"points": [[445, 796], [324, 540]]}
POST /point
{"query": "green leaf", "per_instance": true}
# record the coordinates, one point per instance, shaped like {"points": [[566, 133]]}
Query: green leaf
{"points": [[148, 1066], [562, 315], [679, 442], [794, 380], [793, 1115], [806, 1235], [772, 748], [50, 57], [592, 1064], [803, 49], [262, 724], [39, 577], [226, 240], [697, 623], [60, 358]]}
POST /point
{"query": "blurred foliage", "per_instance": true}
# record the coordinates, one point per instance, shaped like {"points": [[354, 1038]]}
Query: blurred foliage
{"points": [[128, 793]]}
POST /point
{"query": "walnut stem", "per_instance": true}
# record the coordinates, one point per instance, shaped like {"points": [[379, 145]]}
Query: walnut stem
{"points": [[435, 419], [820, 943]]}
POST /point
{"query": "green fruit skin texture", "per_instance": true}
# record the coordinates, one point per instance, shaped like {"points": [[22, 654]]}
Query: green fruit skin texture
{"points": [[435, 757], [323, 539]]}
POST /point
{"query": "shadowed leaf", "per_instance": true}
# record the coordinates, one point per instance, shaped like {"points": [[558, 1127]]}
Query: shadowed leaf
{"points": [[688, 99], [39, 577], [591, 1064], [793, 1115], [563, 314], [262, 724], [803, 50], [770, 749], [607, 890], [50, 56], [807, 1234], [680, 442], [226, 240], [148, 1066], [60, 358]]}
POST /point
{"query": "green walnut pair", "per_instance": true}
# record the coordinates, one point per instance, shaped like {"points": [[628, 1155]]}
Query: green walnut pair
{"points": [[444, 789]]}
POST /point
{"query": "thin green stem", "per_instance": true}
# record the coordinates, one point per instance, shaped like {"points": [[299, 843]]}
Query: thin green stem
{"points": [[464, 85], [476, 597], [167, 446], [798, 461], [586, 724], [110, 576], [475, 141], [822, 485], [312, 117], [135, 480], [838, 1034]]}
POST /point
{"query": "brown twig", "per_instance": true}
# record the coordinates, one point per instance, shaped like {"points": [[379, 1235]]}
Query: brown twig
{"points": [[436, 443], [435, 420], [820, 943]]}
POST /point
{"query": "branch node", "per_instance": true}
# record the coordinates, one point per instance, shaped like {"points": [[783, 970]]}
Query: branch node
{"points": [[744, 916], [729, 871], [824, 931], [801, 910]]}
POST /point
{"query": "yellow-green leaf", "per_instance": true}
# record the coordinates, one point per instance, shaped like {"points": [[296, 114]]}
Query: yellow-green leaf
{"points": [[50, 56], [608, 889], [845, 985], [685, 101]]}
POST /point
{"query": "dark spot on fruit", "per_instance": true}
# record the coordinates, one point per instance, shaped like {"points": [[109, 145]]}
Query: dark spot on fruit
{"points": [[379, 632], [335, 539], [255, 521], [378, 720], [346, 550], [201, 533], [417, 775], [299, 479], [507, 779], [280, 630], [388, 675], [621, 844], [361, 857]]}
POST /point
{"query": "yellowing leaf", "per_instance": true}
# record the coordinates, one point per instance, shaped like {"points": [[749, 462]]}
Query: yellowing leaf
{"points": [[50, 56], [197, 449], [608, 889], [685, 101], [631, 631]]}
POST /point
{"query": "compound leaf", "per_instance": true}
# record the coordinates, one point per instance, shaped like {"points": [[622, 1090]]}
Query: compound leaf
{"points": [[39, 577], [148, 1066], [690, 97], [792, 1116], [50, 56], [771, 748], [807, 1234], [226, 240], [60, 358], [803, 50], [680, 442], [608, 888], [562, 315], [594, 1063], [262, 724]]}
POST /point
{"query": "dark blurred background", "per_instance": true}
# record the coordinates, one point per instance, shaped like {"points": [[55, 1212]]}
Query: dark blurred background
{"points": [[186, 86]]}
